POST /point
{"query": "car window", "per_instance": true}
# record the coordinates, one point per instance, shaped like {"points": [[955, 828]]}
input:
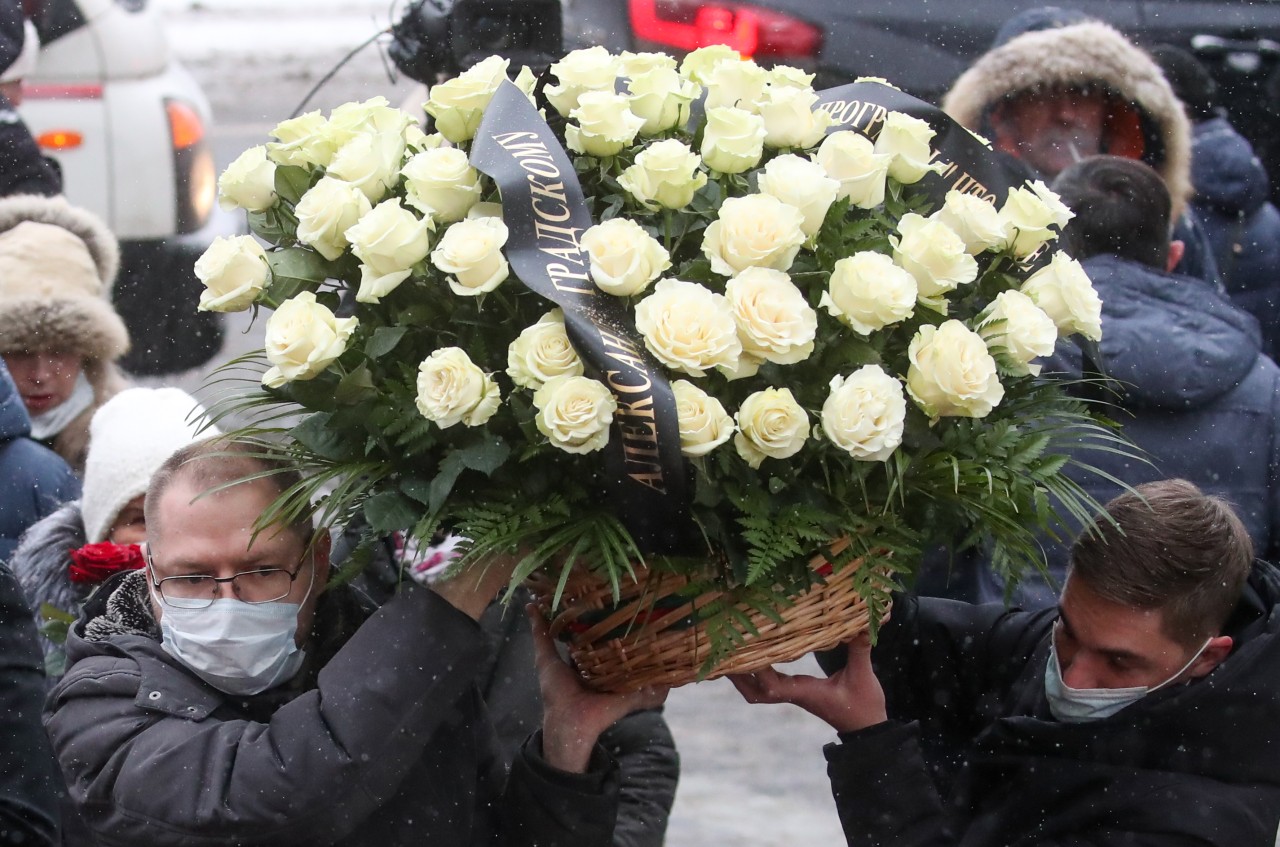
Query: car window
{"points": [[55, 18]]}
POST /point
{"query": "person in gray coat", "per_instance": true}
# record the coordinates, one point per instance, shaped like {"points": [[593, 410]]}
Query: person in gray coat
{"points": [[1197, 393], [222, 696]]}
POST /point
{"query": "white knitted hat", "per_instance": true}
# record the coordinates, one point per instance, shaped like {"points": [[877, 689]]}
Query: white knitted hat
{"points": [[130, 437]]}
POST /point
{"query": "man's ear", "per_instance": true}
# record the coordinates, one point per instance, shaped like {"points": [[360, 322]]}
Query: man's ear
{"points": [[321, 546], [1177, 249], [1212, 656]]}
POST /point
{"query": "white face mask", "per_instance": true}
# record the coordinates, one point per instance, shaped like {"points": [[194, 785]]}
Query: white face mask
{"points": [[1074, 705], [237, 647]]}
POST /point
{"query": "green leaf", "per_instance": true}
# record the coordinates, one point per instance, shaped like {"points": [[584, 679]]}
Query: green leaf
{"points": [[390, 511], [298, 263], [292, 182], [318, 435], [486, 456], [384, 340], [355, 386]]}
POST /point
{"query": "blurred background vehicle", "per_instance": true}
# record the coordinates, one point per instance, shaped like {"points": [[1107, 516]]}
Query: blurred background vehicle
{"points": [[129, 127], [922, 46]]}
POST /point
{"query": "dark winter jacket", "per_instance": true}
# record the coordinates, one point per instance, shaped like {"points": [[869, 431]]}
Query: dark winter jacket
{"points": [[1199, 398], [382, 739], [1231, 199], [1191, 764], [30, 785], [640, 742], [34, 481]]}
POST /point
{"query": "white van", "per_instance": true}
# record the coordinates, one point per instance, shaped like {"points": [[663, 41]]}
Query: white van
{"points": [[129, 127]]}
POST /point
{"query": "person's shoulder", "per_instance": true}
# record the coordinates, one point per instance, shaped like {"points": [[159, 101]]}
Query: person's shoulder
{"points": [[22, 459], [113, 674]]}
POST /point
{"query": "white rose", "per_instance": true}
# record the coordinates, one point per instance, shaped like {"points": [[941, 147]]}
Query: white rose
{"points": [[458, 104], [369, 162], [775, 322], [739, 83], [249, 182], [389, 241], [369, 117], [688, 327], [851, 160], [605, 124], [699, 64], [580, 71], [471, 253], [624, 258], [755, 231], [1063, 290], [789, 117], [704, 423], [1028, 214], [952, 374], [302, 339], [661, 97], [868, 292], [933, 254], [665, 175], [234, 272], [786, 75], [973, 219], [441, 183], [632, 65], [326, 212], [1022, 329], [801, 183], [732, 140], [419, 141], [452, 389], [542, 352], [907, 139], [484, 210], [574, 413], [865, 413], [301, 142], [771, 425]]}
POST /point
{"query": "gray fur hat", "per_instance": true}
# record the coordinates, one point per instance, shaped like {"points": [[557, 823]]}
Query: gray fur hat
{"points": [[58, 263]]}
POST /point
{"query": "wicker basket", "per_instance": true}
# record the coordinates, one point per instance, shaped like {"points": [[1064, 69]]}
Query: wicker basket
{"points": [[651, 637]]}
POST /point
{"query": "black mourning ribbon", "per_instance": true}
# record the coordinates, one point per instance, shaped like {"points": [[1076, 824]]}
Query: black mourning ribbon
{"points": [[971, 167], [546, 213]]}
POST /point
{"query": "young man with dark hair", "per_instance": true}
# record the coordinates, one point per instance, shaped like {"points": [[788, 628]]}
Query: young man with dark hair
{"points": [[1195, 390], [1143, 709], [221, 695]]}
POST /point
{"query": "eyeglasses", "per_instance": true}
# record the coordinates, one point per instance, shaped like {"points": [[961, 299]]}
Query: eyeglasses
{"points": [[198, 591]]}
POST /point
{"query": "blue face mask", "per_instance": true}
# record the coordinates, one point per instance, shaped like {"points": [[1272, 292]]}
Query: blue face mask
{"points": [[1074, 705], [240, 648]]}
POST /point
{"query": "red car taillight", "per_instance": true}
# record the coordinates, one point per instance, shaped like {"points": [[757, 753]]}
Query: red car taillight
{"points": [[752, 31]]}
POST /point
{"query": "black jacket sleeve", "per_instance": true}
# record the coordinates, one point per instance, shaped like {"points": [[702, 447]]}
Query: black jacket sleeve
{"points": [[322, 764], [30, 784]]}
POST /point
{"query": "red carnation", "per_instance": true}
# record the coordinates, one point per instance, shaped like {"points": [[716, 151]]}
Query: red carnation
{"points": [[93, 563]]}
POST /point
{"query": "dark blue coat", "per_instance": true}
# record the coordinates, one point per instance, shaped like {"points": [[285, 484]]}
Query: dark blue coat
{"points": [[1200, 399], [1243, 226], [34, 480]]}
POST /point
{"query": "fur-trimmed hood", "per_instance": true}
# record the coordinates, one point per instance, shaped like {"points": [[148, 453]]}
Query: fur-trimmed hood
{"points": [[1075, 56], [58, 264], [41, 561]]}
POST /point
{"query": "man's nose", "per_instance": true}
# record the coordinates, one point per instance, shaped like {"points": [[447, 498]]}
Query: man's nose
{"points": [[1079, 673], [225, 591]]}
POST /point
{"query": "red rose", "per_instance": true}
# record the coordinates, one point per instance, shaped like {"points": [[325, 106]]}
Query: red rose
{"points": [[93, 563]]}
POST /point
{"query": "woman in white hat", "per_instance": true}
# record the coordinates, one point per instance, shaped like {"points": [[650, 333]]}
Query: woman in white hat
{"points": [[61, 559], [59, 334]]}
